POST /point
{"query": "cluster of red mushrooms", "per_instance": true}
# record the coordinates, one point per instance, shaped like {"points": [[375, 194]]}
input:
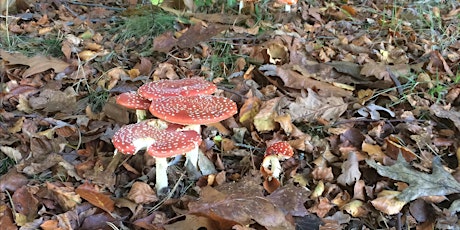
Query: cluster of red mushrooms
{"points": [[181, 107]]}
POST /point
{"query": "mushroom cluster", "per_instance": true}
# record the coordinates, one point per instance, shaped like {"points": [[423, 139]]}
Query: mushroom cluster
{"points": [[160, 141], [187, 102], [271, 167]]}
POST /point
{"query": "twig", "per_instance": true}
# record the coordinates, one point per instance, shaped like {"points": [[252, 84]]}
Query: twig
{"points": [[96, 5], [232, 91], [375, 120], [393, 77]]}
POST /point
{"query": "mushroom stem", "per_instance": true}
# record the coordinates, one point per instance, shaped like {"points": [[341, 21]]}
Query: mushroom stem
{"points": [[141, 115], [241, 5], [287, 8], [192, 156], [161, 182], [272, 164]]}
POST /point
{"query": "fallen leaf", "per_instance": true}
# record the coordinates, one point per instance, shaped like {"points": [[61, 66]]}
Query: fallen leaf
{"points": [[231, 209], [6, 218], [290, 199], [192, 222], [314, 107], [96, 198], [446, 112], [388, 203], [438, 183], [65, 196], [12, 180], [264, 120], [350, 170], [25, 203], [142, 193], [37, 64]]}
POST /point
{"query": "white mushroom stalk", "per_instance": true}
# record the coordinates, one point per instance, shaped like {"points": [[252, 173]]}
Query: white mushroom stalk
{"points": [[132, 100], [161, 143], [275, 153], [161, 177], [193, 111], [272, 166]]}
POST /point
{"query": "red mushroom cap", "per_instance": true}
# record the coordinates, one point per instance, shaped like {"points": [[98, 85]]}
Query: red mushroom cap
{"points": [[159, 143], [183, 87], [132, 100], [194, 110], [282, 149]]}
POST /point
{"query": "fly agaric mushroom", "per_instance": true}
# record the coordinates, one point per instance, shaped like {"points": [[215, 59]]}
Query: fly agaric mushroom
{"points": [[183, 87], [160, 142], [275, 153], [287, 4], [193, 111], [132, 100]]}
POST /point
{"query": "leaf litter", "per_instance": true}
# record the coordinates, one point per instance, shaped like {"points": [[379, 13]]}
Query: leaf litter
{"points": [[367, 97]]}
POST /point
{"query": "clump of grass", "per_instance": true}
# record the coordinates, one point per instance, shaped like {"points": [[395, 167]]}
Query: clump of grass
{"points": [[222, 60], [49, 45], [97, 99], [5, 164], [143, 23]]}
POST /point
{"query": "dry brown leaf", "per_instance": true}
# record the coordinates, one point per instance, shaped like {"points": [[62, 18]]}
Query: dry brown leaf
{"points": [[65, 196], [12, 181], [350, 170], [6, 218], [221, 208], [142, 193], [291, 199], [55, 100], [322, 207], [37, 64], [356, 208], [264, 120], [314, 107], [249, 110], [96, 198], [388, 203], [306, 80], [25, 203], [192, 222]]}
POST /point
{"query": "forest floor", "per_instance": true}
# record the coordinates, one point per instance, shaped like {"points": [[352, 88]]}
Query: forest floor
{"points": [[367, 93]]}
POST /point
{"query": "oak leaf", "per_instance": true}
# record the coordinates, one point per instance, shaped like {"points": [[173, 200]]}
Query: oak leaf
{"points": [[438, 183]]}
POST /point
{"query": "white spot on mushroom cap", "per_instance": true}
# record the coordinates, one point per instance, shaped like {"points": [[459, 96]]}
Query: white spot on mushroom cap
{"points": [[182, 87], [282, 149], [199, 109], [158, 142], [132, 100]]}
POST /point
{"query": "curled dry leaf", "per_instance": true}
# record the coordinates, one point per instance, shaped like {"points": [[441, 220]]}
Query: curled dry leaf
{"points": [[350, 170], [314, 107], [264, 120], [96, 198], [142, 193], [64, 196], [12, 180], [388, 203]]}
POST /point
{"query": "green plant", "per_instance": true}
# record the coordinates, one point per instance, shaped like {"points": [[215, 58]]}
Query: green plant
{"points": [[49, 45], [144, 24], [5, 164], [97, 99]]}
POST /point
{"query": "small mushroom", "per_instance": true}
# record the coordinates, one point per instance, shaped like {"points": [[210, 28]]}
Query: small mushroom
{"points": [[159, 141], [183, 87], [193, 111], [275, 153], [132, 100], [287, 4]]}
